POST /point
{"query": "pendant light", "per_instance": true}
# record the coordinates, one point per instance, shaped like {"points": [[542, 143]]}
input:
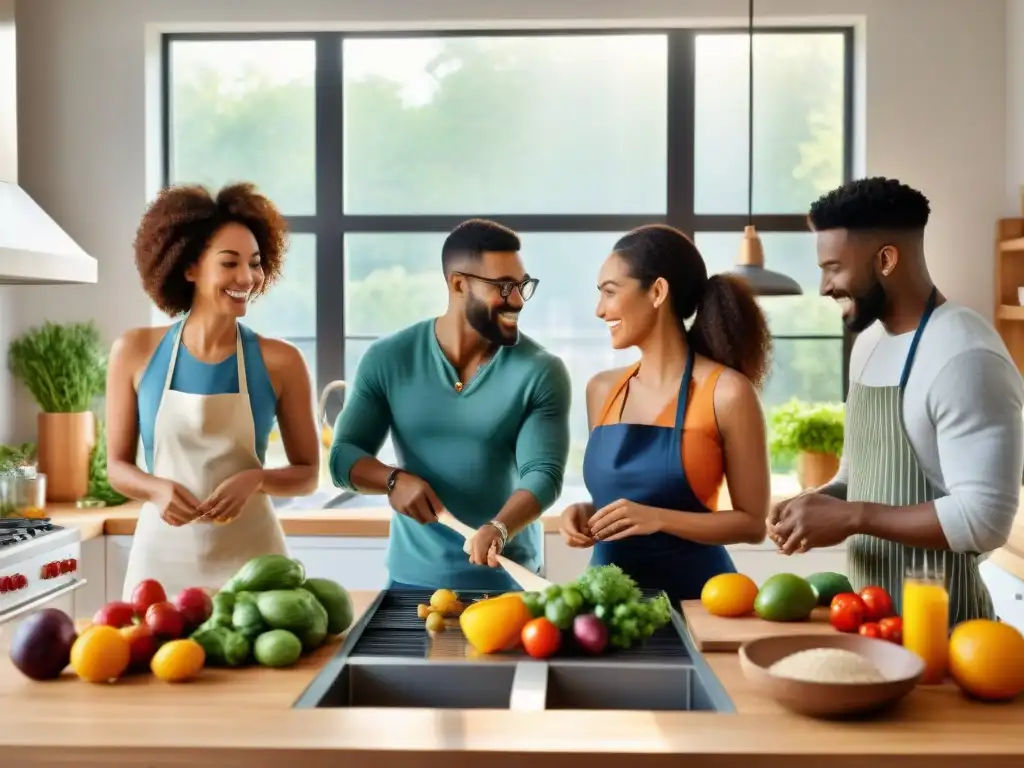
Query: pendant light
{"points": [[750, 260]]}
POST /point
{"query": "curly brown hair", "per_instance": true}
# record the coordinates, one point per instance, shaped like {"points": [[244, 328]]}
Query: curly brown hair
{"points": [[178, 226], [729, 327]]}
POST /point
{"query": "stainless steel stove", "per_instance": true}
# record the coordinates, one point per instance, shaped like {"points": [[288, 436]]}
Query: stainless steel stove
{"points": [[39, 561]]}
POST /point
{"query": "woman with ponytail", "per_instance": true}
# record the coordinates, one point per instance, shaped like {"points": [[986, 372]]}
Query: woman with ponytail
{"points": [[666, 431]]}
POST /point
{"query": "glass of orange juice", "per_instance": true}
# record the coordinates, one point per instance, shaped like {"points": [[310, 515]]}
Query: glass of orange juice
{"points": [[926, 615]]}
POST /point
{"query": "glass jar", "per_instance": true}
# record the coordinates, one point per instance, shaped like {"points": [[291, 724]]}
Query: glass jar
{"points": [[926, 615], [23, 494]]}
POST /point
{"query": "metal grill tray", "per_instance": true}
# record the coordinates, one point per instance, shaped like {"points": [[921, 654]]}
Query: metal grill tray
{"points": [[388, 659]]}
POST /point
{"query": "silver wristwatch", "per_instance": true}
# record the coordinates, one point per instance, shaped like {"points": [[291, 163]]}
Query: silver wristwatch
{"points": [[502, 530]]}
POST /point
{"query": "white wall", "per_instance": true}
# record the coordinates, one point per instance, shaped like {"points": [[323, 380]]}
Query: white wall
{"points": [[932, 87], [1014, 108]]}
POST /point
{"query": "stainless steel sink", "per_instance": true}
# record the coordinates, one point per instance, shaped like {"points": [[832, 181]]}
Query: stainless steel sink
{"points": [[325, 498]]}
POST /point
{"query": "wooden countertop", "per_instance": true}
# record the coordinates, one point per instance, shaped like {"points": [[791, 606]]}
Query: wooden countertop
{"points": [[243, 718], [355, 521]]}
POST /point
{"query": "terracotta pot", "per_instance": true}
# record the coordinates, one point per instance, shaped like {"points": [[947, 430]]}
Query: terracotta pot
{"points": [[814, 469], [65, 443]]}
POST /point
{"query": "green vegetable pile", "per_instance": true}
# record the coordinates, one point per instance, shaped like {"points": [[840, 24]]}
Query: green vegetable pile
{"points": [[270, 613], [63, 366], [611, 595], [796, 426]]}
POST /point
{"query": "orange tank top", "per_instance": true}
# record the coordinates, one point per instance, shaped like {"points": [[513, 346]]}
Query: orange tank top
{"points": [[703, 459]]}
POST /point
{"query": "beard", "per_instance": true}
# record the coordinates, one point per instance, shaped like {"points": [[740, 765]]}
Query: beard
{"points": [[866, 309], [484, 320]]}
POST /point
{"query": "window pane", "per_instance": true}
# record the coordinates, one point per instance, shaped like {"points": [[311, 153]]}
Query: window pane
{"points": [[793, 254], [798, 121], [288, 309], [552, 124], [560, 315], [244, 110]]}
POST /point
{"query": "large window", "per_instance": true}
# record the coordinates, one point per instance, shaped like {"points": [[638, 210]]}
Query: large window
{"points": [[376, 145]]}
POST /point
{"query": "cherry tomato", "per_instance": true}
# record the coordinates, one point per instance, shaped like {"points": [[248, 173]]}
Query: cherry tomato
{"points": [[870, 629], [541, 638], [892, 629], [878, 603], [847, 612]]}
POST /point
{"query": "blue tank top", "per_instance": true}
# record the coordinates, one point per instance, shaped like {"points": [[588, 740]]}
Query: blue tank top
{"points": [[195, 377]]}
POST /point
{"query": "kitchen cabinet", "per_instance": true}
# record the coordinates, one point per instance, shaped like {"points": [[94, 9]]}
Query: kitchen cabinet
{"points": [[355, 562]]}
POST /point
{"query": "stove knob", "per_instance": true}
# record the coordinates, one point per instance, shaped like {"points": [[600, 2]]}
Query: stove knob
{"points": [[65, 566], [20, 580], [5, 584], [54, 569], [44, 569], [74, 564]]}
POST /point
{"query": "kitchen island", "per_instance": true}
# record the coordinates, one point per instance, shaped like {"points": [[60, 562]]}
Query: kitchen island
{"points": [[246, 718]]}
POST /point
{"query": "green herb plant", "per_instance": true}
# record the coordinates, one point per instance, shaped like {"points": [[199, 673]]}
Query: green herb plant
{"points": [[63, 366], [99, 484], [800, 427], [14, 458]]}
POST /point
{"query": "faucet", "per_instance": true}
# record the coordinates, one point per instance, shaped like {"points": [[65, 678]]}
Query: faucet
{"points": [[326, 430]]}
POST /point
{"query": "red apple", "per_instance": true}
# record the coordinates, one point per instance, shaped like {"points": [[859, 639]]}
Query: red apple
{"points": [[165, 621], [143, 644], [146, 594], [116, 614], [194, 605]]}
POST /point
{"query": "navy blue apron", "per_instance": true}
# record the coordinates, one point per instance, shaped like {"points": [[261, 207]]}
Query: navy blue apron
{"points": [[644, 464]]}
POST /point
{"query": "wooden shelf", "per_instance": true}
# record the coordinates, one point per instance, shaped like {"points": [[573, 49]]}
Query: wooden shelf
{"points": [[1009, 274]]}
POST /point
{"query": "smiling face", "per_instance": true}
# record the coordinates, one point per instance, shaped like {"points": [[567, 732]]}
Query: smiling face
{"points": [[848, 264], [630, 312], [493, 316], [229, 271]]}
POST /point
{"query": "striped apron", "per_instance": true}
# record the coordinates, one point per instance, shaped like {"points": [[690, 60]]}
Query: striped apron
{"points": [[883, 469]]}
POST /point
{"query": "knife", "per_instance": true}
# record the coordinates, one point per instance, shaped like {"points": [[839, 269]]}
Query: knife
{"points": [[524, 577]]}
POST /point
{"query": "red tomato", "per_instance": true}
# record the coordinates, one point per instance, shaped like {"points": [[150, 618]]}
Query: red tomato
{"points": [[878, 603], [892, 629], [541, 638], [847, 612], [870, 629]]}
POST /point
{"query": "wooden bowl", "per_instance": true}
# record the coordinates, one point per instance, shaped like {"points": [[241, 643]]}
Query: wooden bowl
{"points": [[901, 668]]}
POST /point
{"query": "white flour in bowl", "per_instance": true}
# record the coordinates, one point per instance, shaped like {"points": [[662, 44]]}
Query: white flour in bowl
{"points": [[827, 665]]}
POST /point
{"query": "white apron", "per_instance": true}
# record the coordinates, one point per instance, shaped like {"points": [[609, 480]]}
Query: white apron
{"points": [[199, 441]]}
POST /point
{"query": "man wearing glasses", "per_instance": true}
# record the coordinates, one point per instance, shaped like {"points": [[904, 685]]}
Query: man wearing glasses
{"points": [[479, 417]]}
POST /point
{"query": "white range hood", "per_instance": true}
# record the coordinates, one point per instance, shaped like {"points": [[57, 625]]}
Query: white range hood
{"points": [[34, 249]]}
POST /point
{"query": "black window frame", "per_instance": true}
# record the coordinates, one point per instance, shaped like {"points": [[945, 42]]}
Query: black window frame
{"points": [[330, 224]]}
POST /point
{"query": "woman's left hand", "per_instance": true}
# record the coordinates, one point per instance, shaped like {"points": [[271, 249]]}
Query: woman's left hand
{"points": [[624, 518], [229, 498]]}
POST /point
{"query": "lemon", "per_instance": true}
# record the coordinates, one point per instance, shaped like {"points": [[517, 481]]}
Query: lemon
{"points": [[729, 594], [178, 661], [100, 654]]}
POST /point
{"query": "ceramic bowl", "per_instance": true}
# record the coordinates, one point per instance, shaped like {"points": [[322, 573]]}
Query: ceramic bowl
{"points": [[901, 668]]}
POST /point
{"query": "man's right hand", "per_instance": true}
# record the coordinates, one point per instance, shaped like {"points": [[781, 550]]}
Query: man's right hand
{"points": [[175, 502], [414, 498]]}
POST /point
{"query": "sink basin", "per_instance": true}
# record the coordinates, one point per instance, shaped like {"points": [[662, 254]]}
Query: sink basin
{"points": [[386, 683], [659, 687]]}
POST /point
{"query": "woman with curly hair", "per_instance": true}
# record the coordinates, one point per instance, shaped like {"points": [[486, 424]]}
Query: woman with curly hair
{"points": [[666, 431], [203, 393]]}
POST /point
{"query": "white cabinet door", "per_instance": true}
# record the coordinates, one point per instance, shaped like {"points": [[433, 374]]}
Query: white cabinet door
{"points": [[355, 563], [91, 596], [118, 548]]}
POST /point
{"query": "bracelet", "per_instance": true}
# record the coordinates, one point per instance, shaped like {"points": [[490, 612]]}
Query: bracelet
{"points": [[502, 531]]}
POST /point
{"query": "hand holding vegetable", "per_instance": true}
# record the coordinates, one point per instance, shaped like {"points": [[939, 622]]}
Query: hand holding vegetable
{"points": [[176, 503], [624, 518], [574, 525], [229, 498]]}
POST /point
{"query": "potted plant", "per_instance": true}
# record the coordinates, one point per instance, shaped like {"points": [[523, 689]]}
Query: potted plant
{"points": [[64, 367], [812, 433]]}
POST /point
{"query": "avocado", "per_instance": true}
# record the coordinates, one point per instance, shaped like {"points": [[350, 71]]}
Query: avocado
{"points": [[827, 585], [785, 597]]}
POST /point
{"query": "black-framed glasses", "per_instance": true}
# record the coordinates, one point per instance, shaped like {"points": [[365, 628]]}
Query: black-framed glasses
{"points": [[505, 287]]}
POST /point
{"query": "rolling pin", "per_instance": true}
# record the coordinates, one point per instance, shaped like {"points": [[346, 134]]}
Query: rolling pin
{"points": [[525, 578]]}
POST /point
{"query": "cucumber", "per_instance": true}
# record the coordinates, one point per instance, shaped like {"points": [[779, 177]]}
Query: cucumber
{"points": [[827, 585], [277, 648]]}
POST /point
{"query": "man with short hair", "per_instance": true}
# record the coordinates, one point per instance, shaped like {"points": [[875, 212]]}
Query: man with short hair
{"points": [[934, 443], [479, 416]]}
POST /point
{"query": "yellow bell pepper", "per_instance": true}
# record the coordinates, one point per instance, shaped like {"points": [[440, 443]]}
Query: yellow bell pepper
{"points": [[495, 624]]}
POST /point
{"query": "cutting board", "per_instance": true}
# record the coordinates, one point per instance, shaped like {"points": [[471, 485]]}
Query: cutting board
{"points": [[717, 633]]}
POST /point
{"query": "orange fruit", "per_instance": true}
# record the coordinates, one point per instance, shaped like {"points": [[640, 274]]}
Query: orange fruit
{"points": [[729, 594], [986, 659], [178, 661], [100, 654]]}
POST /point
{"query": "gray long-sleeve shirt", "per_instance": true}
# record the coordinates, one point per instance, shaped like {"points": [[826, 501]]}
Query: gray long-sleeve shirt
{"points": [[963, 416]]}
